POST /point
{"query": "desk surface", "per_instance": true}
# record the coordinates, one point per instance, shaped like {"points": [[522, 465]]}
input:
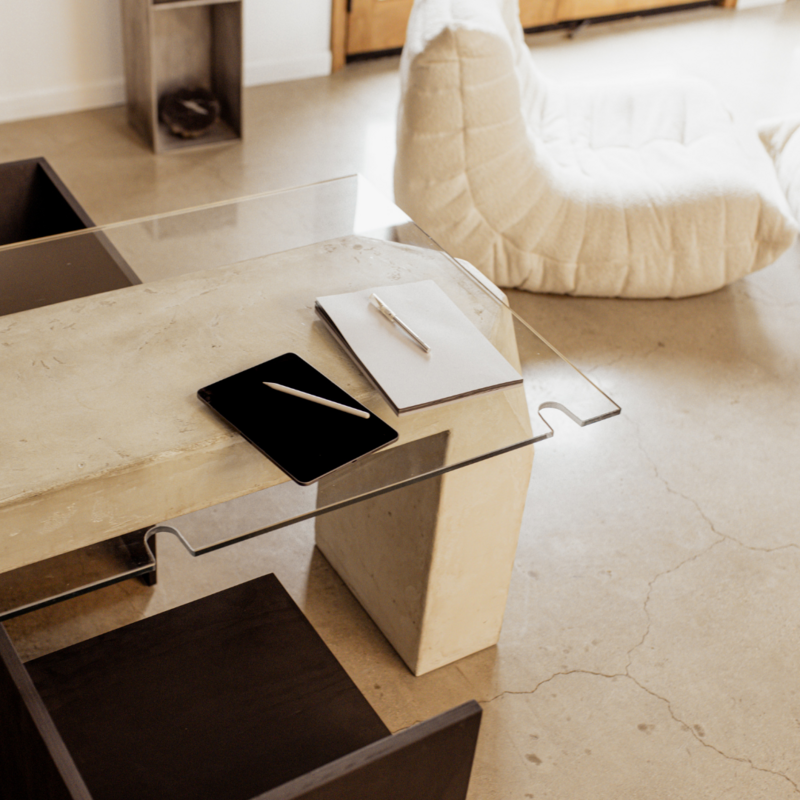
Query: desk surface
{"points": [[101, 430]]}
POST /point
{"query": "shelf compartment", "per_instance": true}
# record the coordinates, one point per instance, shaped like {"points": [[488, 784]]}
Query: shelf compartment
{"points": [[189, 44]]}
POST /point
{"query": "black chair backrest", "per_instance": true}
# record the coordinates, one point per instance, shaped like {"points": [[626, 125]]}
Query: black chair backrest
{"points": [[244, 661], [429, 761]]}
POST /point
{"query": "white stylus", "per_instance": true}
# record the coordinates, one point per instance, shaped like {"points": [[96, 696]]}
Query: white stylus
{"points": [[392, 317], [314, 399]]}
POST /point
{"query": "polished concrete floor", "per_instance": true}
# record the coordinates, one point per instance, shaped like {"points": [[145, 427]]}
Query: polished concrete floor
{"points": [[651, 645]]}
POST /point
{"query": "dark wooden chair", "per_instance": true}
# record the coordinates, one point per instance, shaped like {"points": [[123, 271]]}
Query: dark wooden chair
{"points": [[232, 697]]}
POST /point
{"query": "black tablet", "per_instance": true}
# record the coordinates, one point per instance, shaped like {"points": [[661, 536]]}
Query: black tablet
{"points": [[302, 436]]}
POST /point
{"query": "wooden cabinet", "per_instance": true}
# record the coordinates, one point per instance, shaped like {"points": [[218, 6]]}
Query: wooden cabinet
{"points": [[367, 26], [375, 25], [533, 13], [550, 12], [176, 44]]}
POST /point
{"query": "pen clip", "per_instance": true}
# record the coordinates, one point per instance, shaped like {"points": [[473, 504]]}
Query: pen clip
{"points": [[392, 317], [383, 308]]}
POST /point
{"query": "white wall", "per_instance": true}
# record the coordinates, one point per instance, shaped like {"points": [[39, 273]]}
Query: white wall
{"points": [[285, 40], [66, 55]]}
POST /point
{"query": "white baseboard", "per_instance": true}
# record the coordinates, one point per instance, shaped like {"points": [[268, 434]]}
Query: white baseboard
{"points": [[310, 66], [47, 102]]}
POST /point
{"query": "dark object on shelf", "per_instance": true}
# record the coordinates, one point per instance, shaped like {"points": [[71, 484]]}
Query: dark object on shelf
{"points": [[188, 112], [35, 203], [231, 697], [171, 45]]}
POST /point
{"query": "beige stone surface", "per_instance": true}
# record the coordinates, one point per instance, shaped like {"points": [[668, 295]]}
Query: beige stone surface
{"points": [[102, 426], [636, 557]]}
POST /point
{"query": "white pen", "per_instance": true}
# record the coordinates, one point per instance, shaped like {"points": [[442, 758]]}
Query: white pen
{"points": [[323, 401], [392, 317]]}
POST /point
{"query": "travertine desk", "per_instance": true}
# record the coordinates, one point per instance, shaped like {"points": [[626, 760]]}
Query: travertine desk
{"points": [[102, 433]]}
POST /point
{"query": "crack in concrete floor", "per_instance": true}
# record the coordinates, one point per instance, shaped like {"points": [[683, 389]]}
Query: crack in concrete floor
{"points": [[685, 726], [722, 539]]}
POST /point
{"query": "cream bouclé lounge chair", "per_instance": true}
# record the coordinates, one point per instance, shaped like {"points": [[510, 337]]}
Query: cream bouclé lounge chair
{"points": [[646, 189]]}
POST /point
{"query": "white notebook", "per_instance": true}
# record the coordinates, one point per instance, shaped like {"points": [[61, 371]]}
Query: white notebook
{"points": [[461, 361]]}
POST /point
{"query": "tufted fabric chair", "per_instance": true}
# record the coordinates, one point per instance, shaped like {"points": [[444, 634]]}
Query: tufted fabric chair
{"points": [[646, 189]]}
